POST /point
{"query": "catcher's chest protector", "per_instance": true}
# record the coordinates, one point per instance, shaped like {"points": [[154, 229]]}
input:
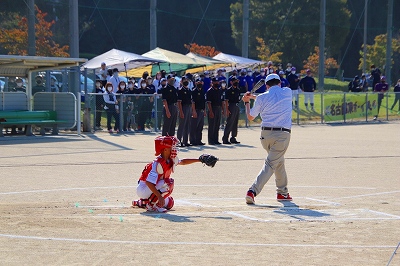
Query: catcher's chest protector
{"points": [[167, 168]]}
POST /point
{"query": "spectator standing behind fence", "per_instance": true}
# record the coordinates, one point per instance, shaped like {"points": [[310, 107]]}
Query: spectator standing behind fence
{"points": [[249, 80], [111, 107], [397, 96], [284, 82], [206, 81], [121, 98], [198, 113], [185, 112], [376, 76], [259, 77], [99, 102], [103, 74], [381, 88], [308, 86], [170, 111], [115, 79], [145, 103], [242, 81], [159, 102], [130, 105], [294, 80]]}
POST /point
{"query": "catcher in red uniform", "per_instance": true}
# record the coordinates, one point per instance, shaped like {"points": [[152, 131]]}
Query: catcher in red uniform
{"points": [[155, 185]]}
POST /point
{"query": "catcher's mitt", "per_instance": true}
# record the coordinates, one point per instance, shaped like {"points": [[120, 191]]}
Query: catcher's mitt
{"points": [[208, 159]]}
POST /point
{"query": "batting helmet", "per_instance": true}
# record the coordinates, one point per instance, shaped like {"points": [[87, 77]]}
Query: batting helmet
{"points": [[163, 142]]}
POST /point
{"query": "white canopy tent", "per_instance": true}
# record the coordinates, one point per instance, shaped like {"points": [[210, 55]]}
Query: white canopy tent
{"points": [[120, 59], [238, 61]]}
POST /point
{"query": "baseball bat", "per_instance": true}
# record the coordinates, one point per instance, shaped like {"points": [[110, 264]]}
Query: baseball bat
{"points": [[257, 85]]}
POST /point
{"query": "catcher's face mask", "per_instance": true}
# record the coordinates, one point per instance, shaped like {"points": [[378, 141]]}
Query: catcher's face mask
{"points": [[163, 142]]}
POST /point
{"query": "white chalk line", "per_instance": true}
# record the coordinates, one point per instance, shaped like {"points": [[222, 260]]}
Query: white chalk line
{"points": [[109, 241], [368, 195], [123, 187]]}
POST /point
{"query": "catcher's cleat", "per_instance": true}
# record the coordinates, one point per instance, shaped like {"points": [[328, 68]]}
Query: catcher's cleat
{"points": [[154, 208], [281, 197], [250, 197], [139, 203]]}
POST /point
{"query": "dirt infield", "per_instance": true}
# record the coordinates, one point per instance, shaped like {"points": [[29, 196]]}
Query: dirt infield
{"points": [[66, 200]]}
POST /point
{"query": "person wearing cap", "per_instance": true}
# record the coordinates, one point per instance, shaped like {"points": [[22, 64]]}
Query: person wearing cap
{"points": [[206, 81], [103, 74], [185, 112], [198, 113], [270, 68], [170, 111], [308, 86], [19, 86], [242, 81], [249, 80], [234, 74], [275, 110], [262, 76], [115, 80], [214, 105], [284, 82], [221, 75], [232, 99], [381, 88], [294, 80], [288, 69]]}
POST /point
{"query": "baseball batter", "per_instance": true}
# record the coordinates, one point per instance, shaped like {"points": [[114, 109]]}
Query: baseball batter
{"points": [[275, 109]]}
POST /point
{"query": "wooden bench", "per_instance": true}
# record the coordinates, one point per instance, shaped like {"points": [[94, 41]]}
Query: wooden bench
{"points": [[41, 119]]}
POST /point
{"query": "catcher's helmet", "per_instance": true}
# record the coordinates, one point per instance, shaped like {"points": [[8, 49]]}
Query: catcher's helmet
{"points": [[163, 142]]}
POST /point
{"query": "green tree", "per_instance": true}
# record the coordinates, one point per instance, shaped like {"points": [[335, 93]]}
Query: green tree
{"points": [[376, 52], [292, 27]]}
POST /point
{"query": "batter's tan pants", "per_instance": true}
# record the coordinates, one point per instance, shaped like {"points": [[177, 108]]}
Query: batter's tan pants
{"points": [[276, 144]]}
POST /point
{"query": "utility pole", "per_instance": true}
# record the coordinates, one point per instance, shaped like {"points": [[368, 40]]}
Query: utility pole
{"points": [[388, 67], [321, 63], [31, 28], [365, 38], [245, 32], [153, 24]]}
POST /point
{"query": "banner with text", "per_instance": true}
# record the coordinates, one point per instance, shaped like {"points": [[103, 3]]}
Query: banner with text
{"points": [[349, 106]]}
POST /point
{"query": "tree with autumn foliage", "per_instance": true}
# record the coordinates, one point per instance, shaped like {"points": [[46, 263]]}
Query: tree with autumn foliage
{"points": [[312, 63], [208, 51], [15, 39], [264, 53], [376, 53]]}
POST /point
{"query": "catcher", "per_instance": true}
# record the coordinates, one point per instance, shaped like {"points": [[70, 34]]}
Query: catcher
{"points": [[155, 185]]}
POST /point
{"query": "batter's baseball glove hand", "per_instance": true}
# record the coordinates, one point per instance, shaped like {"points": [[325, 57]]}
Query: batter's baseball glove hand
{"points": [[208, 159]]}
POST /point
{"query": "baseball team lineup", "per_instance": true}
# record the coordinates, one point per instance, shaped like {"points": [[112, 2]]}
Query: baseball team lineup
{"points": [[274, 106]]}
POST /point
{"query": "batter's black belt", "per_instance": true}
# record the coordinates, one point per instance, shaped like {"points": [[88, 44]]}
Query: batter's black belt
{"points": [[276, 129]]}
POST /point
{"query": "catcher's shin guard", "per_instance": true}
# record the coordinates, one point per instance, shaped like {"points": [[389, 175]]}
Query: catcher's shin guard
{"points": [[169, 203]]}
